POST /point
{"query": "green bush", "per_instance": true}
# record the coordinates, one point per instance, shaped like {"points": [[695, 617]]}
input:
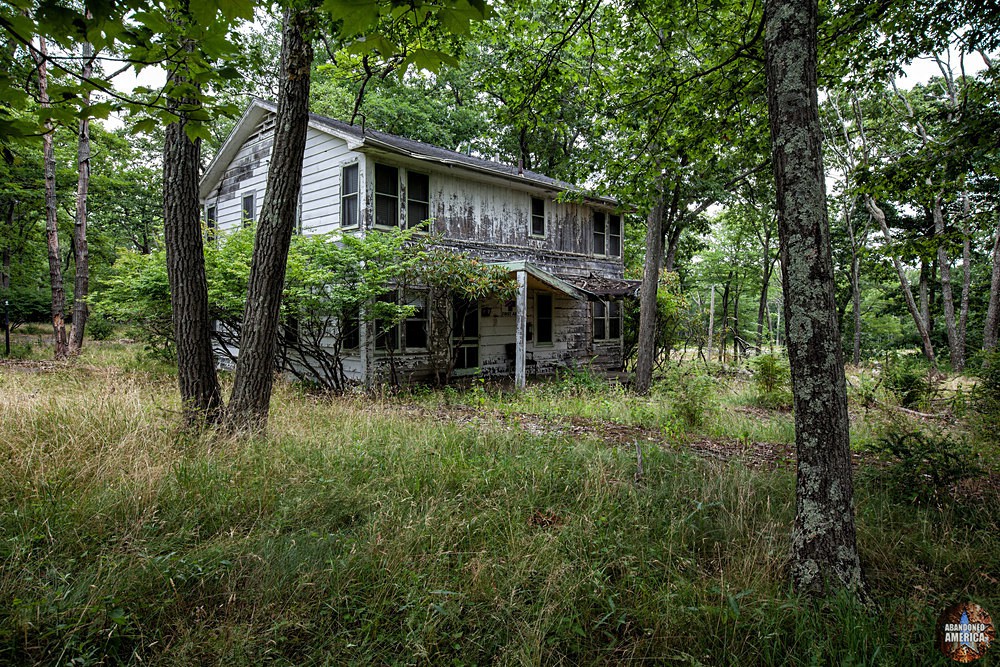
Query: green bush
{"points": [[100, 328], [772, 381], [907, 377], [691, 394], [918, 467], [986, 398]]}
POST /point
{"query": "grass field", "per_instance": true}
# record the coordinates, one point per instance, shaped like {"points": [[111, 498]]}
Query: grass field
{"points": [[450, 527]]}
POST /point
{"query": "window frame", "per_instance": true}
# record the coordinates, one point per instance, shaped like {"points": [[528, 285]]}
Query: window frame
{"points": [[602, 249], [211, 221], [606, 318], [354, 195], [376, 195], [533, 216], [252, 196], [614, 230], [551, 319], [410, 200], [398, 331]]}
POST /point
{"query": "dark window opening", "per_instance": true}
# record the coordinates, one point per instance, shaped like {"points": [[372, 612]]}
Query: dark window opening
{"points": [[543, 317], [418, 198], [386, 196], [615, 236], [211, 222], [607, 320], [599, 233], [249, 210], [350, 332], [465, 333], [537, 217], [349, 196]]}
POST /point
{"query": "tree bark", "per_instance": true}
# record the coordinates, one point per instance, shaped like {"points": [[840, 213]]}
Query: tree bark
{"points": [[963, 316], [824, 550], [991, 329], [201, 397], [81, 282], [924, 293], [51, 212], [911, 305], [647, 296], [955, 351], [254, 378]]}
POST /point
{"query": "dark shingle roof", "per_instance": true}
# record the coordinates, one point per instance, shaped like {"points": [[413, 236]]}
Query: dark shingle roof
{"points": [[431, 153]]}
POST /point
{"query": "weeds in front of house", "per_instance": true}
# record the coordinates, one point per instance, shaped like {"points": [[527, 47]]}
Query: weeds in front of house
{"points": [[359, 533]]}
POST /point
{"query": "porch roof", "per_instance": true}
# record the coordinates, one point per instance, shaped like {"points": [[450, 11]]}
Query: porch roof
{"points": [[538, 275]]}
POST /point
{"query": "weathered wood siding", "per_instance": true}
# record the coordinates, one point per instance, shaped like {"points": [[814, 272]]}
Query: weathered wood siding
{"points": [[319, 207]]}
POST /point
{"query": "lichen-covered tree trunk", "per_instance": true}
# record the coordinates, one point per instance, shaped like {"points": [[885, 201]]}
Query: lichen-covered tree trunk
{"points": [[824, 554], [81, 282], [51, 212], [254, 378], [991, 329], [646, 352], [201, 397]]}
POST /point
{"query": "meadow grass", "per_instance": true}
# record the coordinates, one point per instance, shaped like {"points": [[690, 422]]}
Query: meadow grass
{"points": [[362, 532]]}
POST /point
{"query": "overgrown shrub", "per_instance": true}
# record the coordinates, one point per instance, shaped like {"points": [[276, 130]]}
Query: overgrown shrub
{"points": [[100, 328], [907, 377], [918, 467], [691, 395], [986, 398], [772, 381]]}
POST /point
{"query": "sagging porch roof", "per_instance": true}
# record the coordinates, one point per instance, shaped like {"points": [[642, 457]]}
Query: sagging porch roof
{"points": [[592, 288]]}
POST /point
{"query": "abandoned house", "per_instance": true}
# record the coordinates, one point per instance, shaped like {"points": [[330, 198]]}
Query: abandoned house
{"points": [[566, 252]]}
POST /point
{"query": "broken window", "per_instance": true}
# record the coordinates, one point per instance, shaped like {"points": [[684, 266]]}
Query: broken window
{"points": [[537, 216], [418, 198], [211, 222], [614, 236], [349, 196], [386, 195], [607, 320], [600, 233]]}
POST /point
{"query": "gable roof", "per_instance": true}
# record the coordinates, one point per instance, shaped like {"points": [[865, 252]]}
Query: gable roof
{"points": [[359, 139]]}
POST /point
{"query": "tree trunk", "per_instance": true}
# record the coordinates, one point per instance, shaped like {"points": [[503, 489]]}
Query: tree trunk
{"points": [[201, 397], [856, 303], [911, 305], [5, 254], [963, 316], [991, 329], [725, 318], [647, 296], [824, 550], [81, 283], [51, 212], [767, 266], [924, 293], [254, 378], [955, 351]]}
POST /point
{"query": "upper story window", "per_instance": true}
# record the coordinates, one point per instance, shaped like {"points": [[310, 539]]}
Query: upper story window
{"points": [[543, 318], [614, 236], [607, 234], [211, 221], [249, 210], [607, 320], [386, 196], [418, 198], [349, 196], [537, 216]]}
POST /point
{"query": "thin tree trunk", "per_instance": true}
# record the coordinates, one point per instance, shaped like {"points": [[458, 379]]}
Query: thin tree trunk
{"points": [[991, 329], [51, 212], [856, 303], [911, 305], [955, 352], [254, 378], [81, 283], [963, 316], [647, 296], [725, 318], [711, 323], [824, 549], [5, 254], [201, 397], [767, 265], [924, 292]]}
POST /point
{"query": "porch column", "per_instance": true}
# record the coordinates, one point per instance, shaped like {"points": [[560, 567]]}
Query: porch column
{"points": [[520, 327]]}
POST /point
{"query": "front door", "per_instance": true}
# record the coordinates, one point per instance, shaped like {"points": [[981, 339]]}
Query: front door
{"points": [[465, 333]]}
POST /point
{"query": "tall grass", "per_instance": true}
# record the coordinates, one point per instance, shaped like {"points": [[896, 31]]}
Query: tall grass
{"points": [[359, 533]]}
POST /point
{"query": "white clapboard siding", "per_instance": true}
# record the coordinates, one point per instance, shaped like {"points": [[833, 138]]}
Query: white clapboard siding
{"points": [[324, 158]]}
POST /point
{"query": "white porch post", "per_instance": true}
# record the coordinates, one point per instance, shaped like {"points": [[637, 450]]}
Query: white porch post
{"points": [[520, 327]]}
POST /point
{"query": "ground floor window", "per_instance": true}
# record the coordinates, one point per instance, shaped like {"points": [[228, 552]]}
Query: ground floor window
{"points": [[543, 318], [607, 320], [465, 333], [411, 333]]}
